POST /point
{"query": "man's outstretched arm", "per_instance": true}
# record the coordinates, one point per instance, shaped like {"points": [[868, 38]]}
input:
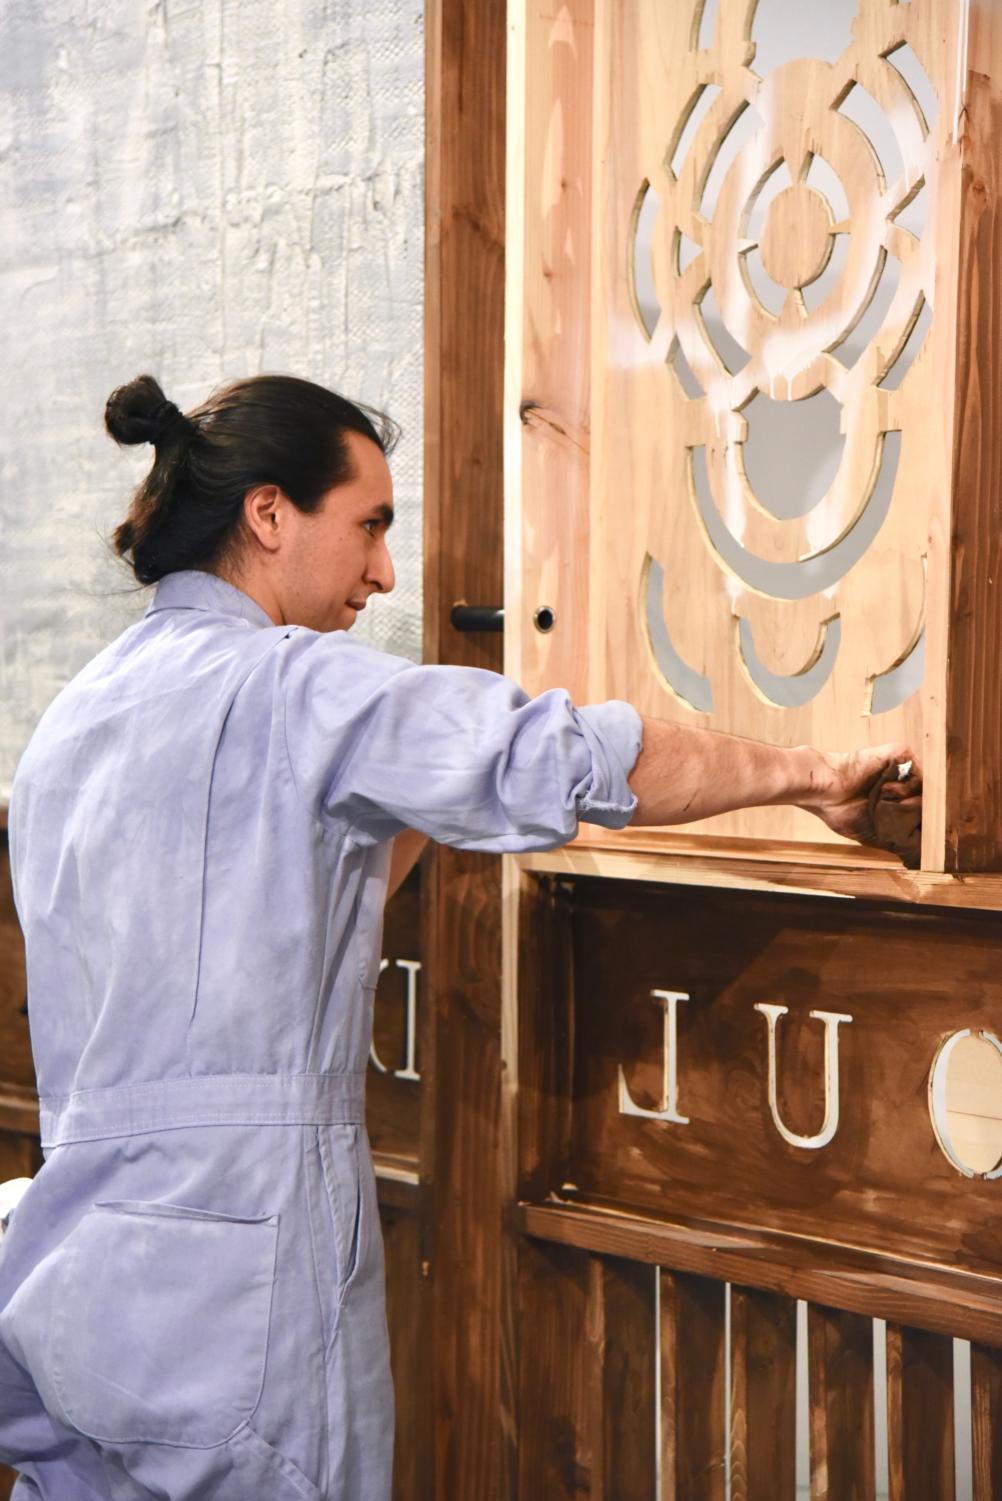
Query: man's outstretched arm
{"points": [[683, 774]]}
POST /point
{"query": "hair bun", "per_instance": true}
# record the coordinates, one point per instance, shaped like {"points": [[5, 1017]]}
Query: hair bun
{"points": [[139, 412]]}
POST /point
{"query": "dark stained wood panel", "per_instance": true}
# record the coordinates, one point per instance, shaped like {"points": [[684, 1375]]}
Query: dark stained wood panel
{"points": [[986, 1423], [859, 1281], [763, 1396], [840, 1391], [463, 548], [557, 1437], [16, 1067], [623, 1310], [545, 1074], [920, 1445], [906, 980], [393, 1104], [406, 1316], [693, 1434]]}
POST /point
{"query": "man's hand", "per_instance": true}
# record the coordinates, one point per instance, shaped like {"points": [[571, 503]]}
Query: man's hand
{"points": [[864, 797], [684, 773]]}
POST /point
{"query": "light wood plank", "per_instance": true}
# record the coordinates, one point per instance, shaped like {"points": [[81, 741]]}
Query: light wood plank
{"points": [[687, 861]]}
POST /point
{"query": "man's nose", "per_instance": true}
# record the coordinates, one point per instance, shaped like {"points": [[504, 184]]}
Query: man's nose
{"points": [[380, 571]]}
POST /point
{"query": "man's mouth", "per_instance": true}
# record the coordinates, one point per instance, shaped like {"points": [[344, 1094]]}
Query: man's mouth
{"points": [[357, 604]]}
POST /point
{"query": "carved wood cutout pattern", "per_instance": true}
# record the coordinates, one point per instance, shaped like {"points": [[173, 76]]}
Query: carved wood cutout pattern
{"points": [[761, 242]]}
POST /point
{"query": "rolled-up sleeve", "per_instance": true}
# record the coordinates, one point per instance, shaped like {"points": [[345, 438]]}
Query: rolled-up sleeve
{"points": [[377, 745]]}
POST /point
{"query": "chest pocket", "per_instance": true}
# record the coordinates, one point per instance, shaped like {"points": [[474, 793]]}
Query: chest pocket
{"points": [[158, 1322]]}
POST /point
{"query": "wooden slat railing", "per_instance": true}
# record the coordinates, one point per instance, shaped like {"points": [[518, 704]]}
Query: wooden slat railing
{"points": [[763, 1396]]}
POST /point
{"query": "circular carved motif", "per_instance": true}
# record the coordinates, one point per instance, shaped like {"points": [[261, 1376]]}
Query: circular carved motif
{"points": [[797, 241]]}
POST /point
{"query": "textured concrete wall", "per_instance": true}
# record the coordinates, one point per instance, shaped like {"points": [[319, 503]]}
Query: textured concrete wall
{"points": [[204, 190]]}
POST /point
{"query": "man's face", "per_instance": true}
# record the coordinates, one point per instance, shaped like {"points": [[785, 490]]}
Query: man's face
{"points": [[337, 555]]}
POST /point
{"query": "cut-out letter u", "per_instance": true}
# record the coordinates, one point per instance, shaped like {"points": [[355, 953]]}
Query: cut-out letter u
{"points": [[829, 1126]]}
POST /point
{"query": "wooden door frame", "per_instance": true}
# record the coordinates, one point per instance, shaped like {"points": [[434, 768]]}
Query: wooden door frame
{"points": [[461, 892]]}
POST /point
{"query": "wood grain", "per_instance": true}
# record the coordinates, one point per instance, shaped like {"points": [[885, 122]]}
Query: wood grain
{"points": [[840, 1385], [559, 1442], [605, 410], [17, 1073], [393, 1105], [974, 744], [986, 1422], [463, 531], [623, 1307], [693, 1433], [920, 1458], [407, 1320], [685, 860], [908, 980], [797, 1266], [763, 1396]]}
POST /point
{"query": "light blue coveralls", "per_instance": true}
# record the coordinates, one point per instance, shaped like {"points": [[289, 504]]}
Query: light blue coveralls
{"points": [[191, 1291]]}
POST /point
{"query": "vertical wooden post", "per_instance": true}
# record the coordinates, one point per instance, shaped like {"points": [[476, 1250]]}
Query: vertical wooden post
{"points": [[919, 1415], [840, 1361], [464, 349], [763, 1396], [693, 1439], [974, 727]]}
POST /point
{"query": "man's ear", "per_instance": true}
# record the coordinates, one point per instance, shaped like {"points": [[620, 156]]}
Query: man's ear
{"points": [[264, 512]]}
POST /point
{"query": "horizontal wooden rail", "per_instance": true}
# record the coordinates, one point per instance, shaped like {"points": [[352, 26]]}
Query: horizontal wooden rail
{"points": [[700, 864], [962, 1304]]}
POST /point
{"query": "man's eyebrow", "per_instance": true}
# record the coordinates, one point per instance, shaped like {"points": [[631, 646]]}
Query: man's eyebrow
{"points": [[385, 514]]}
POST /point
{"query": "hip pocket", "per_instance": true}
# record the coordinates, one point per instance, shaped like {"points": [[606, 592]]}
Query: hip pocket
{"points": [[159, 1322], [339, 1218]]}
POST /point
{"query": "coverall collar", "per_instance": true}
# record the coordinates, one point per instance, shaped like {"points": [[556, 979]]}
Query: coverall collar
{"points": [[192, 589]]}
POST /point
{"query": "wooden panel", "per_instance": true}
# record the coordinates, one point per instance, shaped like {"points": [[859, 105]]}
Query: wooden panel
{"points": [[860, 1281], [730, 601], [15, 1049], [20, 1155], [586, 1382], [763, 1396], [623, 1308], [393, 1097], [986, 1422], [840, 1384], [905, 981], [693, 861], [693, 1434], [406, 1313], [547, 378], [974, 793], [919, 1416], [556, 1432], [463, 530], [545, 1075]]}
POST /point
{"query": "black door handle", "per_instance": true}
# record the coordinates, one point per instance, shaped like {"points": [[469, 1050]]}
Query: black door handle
{"points": [[466, 617]]}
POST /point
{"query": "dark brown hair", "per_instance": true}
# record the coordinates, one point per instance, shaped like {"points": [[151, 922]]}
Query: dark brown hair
{"points": [[267, 430]]}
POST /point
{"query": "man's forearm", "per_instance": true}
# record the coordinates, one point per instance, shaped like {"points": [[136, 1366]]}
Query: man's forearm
{"points": [[684, 774]]}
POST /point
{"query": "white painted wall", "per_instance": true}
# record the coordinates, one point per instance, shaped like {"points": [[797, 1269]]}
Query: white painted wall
{"points": [[204, 189]]}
